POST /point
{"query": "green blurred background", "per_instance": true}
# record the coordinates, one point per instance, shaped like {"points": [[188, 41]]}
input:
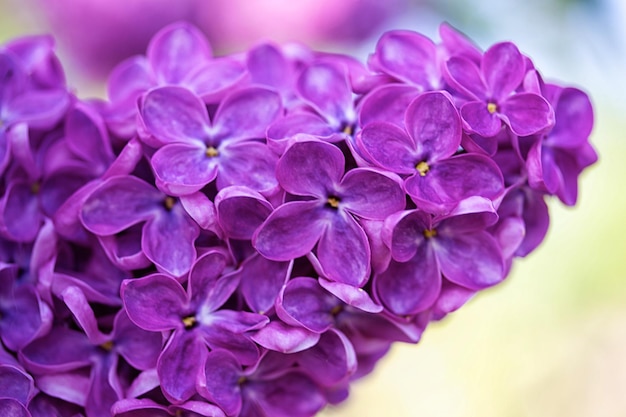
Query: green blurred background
{"points": [[550, 340]]}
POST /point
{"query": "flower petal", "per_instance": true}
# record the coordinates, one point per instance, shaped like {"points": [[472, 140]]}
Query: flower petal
{"points": [[182, 168], [527, 113], [291, 231], [241, 211], [503, 67], [219, 381], [283, 338], [388, 146], [261, 281], [251, 164], [371, 194]]}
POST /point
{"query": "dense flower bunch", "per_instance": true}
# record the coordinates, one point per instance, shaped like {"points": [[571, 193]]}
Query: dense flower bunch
{"points": [[246, 235]]}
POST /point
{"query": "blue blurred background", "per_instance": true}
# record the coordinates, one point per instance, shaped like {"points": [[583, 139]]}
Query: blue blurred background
{"points": [[549, 341]]}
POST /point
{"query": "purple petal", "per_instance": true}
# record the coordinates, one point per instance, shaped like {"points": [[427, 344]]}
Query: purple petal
{"points": [[452, 298], [293, 394], [480, 120], [246, 114], [388, 146], [22, 317], [283, 338], [118, 203], [240, 345], [10, 407], [434, 124], [304, 303], [291, 231], [280, 133], [326, 88], [198, 409], [241, 211], [38, 109], [464, 76], [216, 78], [180, 365], [371, 194], [261, 281], [352, 296], [331, 361], [472, 260], [77, 303], [132, 407], [410, 57], [20, 212], [574, 119], [15, 383], [156, 302], [174, 114], [454, 179], [310, 168], [344, 252], [410, 287], [168, 240], [229, 321], [182, 168], [140, 348], [251, 164], [387, 104], [527, 113], [173, 48], [87, 136], [504, 69], [203, 286], [201, 209], [407, 233], [536, 218], [60, 350], [219, 382]]}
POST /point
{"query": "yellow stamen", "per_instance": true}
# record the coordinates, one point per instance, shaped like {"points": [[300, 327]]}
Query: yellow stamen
{"points": [[107, 346], [35, 187], [348, 130], [169, 203], [492, 107], [428, 233], [336, 310], [189, 321], [423, 168], [241, 380], [333, 202], [211, 152]]}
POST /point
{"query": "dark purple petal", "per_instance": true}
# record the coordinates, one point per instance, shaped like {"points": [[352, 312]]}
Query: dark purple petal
{"points": [[241, 211], [246, 114], [60, 350], [371, 194], [10, 407], [536, 218], [503, 68], [410, 287], [133, 407], [251, 164], [21, 215], [118, 203], [527, 113], [168, 240], [16, 384], [203, 280], [245, 350], [291, 231], [574, 119], [174, 114], [22, 319], [220, 381], [310, 168], [39, 109], [406, 233], [389, 147], [156, 302], [434, 124], [331, 361], [77, 303], [140, 348], [180, 365], [344, 252], [291, 395], [172, 50], [473, 260], [72, 387]]}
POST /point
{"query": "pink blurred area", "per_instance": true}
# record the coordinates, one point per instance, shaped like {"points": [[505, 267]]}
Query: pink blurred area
{"points": [[100, 33]]}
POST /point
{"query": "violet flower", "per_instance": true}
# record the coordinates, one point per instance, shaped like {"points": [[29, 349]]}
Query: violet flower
{"points": [[315, 169]]}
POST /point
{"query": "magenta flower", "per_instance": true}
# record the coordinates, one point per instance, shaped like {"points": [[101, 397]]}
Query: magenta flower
{"points": [[315, 169]]}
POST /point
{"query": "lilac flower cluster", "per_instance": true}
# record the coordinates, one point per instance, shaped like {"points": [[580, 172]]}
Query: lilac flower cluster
{"points": [[246, 235]]}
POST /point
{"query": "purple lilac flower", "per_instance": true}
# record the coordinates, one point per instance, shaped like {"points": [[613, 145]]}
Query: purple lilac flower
{"points": [[315, 169], [234, 237]]}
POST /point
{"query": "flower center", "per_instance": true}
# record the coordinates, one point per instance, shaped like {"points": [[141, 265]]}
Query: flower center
{"points": [[422, 168], [35, 187], [336, 310], [108, 345], [333, 202], [211, 152], [189, 322], [347, 129], [169, 203], [430, 233], [492, 107], [242, 379]]}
